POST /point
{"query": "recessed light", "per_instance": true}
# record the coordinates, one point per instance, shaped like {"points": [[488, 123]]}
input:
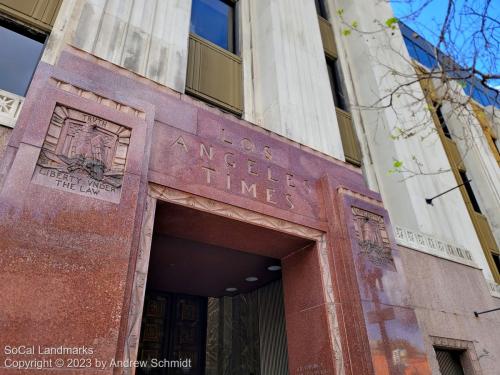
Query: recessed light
{"points": [[251, 279], [231, 289], [274, 268]]}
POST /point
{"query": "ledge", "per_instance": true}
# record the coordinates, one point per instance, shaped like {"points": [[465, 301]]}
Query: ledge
{"points": [[430, 245]]}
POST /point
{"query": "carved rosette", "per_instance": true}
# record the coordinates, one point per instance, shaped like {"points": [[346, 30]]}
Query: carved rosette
{"points": [[372, 237], [84, 154]]}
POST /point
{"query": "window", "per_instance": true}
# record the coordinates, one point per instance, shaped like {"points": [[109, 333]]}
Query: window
{"points": [[21, 51], [214, 21], [321, 8], [337, 84], [481, 94], [496, 260], [470, 192], [449, 361], [410, 47], [418, 53], [440, 117], [494, 140]]}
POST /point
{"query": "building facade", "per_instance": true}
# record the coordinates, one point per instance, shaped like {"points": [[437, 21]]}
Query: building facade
{"points": [[197, 182]]}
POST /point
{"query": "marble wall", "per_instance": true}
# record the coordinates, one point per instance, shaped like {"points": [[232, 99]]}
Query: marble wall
{"points": [[287, 89], [147, 37], [286, 86]]}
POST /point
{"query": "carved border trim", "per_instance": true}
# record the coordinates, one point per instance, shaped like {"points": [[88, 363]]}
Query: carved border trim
{"points": [[333, 321], [139, 286], [360, 196], [86, 94], [10, 106], [494, 288], [430, 245], [204, 204]]}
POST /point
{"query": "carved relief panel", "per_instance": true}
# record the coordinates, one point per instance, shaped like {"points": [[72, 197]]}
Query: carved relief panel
{"points": [[83, 154], [372, 237]]}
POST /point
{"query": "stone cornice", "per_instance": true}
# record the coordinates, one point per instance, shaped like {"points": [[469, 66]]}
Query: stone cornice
{"points": [[430, 245]]}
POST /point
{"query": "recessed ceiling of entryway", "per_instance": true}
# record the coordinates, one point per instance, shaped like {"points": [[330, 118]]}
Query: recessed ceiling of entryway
{"points": [[183, 222], [198, 253]]}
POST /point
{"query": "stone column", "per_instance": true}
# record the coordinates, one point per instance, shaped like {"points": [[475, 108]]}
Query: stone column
{"points": [[289, 79]]}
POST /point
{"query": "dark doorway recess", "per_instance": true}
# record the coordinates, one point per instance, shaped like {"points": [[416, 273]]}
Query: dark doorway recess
{"points": [[214, 295]]}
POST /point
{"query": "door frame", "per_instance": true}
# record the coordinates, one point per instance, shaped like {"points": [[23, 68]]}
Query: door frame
{"points": [[162, 193]]}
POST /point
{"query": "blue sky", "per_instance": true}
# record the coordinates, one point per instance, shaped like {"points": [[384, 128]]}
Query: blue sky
{"points": [[425, 21]]}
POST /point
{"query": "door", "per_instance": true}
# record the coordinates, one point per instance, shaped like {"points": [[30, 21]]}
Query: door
{"points": [[173, 329]]}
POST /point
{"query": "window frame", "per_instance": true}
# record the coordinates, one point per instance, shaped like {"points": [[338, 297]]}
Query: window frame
{"points": [[337, 85], [494, 141], [441, 120], [496, 260], [321, 9], [232, 28], [468, 359], [470, 191]]}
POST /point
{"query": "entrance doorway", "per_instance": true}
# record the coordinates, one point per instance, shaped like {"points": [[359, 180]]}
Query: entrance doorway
{"points": [[174, 328], [214, 296]]}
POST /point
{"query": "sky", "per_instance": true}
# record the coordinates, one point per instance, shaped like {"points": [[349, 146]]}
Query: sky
{"points": [[428, 21], [425, 21]]}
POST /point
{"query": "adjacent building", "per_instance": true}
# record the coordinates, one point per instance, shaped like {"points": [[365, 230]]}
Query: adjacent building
{"points": [[214, 187]]}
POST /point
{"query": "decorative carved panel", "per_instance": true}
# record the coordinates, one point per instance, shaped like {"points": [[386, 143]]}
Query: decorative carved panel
{"points": [[372, 237], [423, 242], [188, 311], [494, 288], [10, 107], [83, 154], [155, 308], [152, 333]]}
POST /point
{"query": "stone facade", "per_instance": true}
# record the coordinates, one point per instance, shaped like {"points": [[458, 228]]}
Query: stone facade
{"points": [[445, 305], [186, 148], [106, 132]]}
